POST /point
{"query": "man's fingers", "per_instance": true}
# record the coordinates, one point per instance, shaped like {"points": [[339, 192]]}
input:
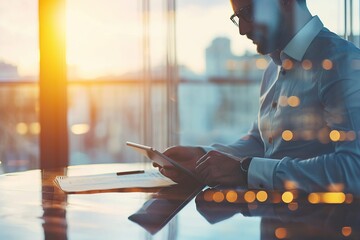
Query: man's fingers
{"points": [[201, 160], [206, 157], [156, 165], [172, 152], [170, 172], [201, 165]]}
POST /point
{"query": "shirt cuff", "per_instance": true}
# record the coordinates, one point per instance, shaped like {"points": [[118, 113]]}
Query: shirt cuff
{"points": [[206, 148], [261, 173]]}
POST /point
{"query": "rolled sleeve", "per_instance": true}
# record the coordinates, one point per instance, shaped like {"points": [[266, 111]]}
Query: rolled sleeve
{"points": [[261, 173]]}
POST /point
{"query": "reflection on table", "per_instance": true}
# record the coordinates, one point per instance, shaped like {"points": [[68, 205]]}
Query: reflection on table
{"points": [[32, 207], [286, 215], [163, 206]]}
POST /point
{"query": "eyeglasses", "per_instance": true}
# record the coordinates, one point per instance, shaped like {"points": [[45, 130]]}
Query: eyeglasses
{"points": [[245, 13]]}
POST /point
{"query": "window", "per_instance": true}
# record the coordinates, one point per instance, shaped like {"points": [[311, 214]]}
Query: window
{"points": [[19, 66], [117, 69], [105, 79], [137, 71]]}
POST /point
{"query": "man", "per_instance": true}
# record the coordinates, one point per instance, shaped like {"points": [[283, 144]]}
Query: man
{"points": [[307, 133]]}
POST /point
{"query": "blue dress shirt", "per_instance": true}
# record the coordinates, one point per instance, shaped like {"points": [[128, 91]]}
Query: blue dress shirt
{"points": [[307, 132]]}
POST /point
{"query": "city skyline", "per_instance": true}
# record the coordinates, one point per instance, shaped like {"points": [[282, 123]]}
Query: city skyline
{"points": [[219, 58], [110, 41]]}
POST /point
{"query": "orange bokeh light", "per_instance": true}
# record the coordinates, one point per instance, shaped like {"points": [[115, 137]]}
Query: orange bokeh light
{"points": [[231, 196], [346, 231], [306, 64], [218, 197], [334, 135], [281, 233], [287, 64], [287, 135], [293, 101], [249, 196], [327, 64]]}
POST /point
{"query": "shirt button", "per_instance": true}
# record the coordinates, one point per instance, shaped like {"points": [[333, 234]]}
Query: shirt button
{"points": [[274, 105], [270, 140]]}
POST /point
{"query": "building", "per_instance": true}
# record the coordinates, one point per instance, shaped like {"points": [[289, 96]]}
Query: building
{"points": [[8, 71], [221, 63]]}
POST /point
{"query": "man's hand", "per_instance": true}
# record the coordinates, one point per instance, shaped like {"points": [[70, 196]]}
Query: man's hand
{"points": [[186, 156], [218, 168]]}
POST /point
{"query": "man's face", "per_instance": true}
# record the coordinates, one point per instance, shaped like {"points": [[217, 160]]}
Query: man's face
{"points": [[265, 29]]}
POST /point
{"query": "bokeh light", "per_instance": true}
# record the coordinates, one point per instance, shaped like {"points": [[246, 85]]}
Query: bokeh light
{"points": [[249, 196], [314, 198], [261, 196], [327, 197], [350, 136], [327, 64], [281, 233], [208, 196], [287, 64], [306, 64], [289, 185], [218, 197], [283, 101], [21, 128], [261, 63], [79, 129], [293, 206], [293, 101], [34, 128], [346, 231], [334, 135], [231, 196], [333, 197], [287, 135], [349, 198], [287, 197]]}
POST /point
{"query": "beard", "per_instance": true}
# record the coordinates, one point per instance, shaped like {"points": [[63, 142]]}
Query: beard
{"points": [[267, 41], [268, 37], [263, 42], [263, 47]]}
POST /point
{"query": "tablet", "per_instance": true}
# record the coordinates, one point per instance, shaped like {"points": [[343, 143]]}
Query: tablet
{"points": [[163, 206], [160, 159]]}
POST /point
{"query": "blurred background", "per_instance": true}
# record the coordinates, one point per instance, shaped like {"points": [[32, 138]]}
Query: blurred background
{"points": [[157, 72]]}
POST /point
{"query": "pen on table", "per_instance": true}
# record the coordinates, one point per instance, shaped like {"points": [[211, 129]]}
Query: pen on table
{"points": [[129, 172]]}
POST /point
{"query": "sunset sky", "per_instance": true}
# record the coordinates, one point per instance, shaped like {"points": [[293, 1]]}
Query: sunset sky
{"points": [[105, 39]]}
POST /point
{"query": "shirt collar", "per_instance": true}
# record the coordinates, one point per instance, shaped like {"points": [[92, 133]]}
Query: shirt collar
{"points": [[298, 45]]}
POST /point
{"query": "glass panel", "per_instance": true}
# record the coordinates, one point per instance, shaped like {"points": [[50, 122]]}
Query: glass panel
{"points": [[356, 20], [104, 44], [102, 117], [19, 127], [19, 51], [103, 39], [219, 71], [158, 28], [19, 67], [116, 57]]}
